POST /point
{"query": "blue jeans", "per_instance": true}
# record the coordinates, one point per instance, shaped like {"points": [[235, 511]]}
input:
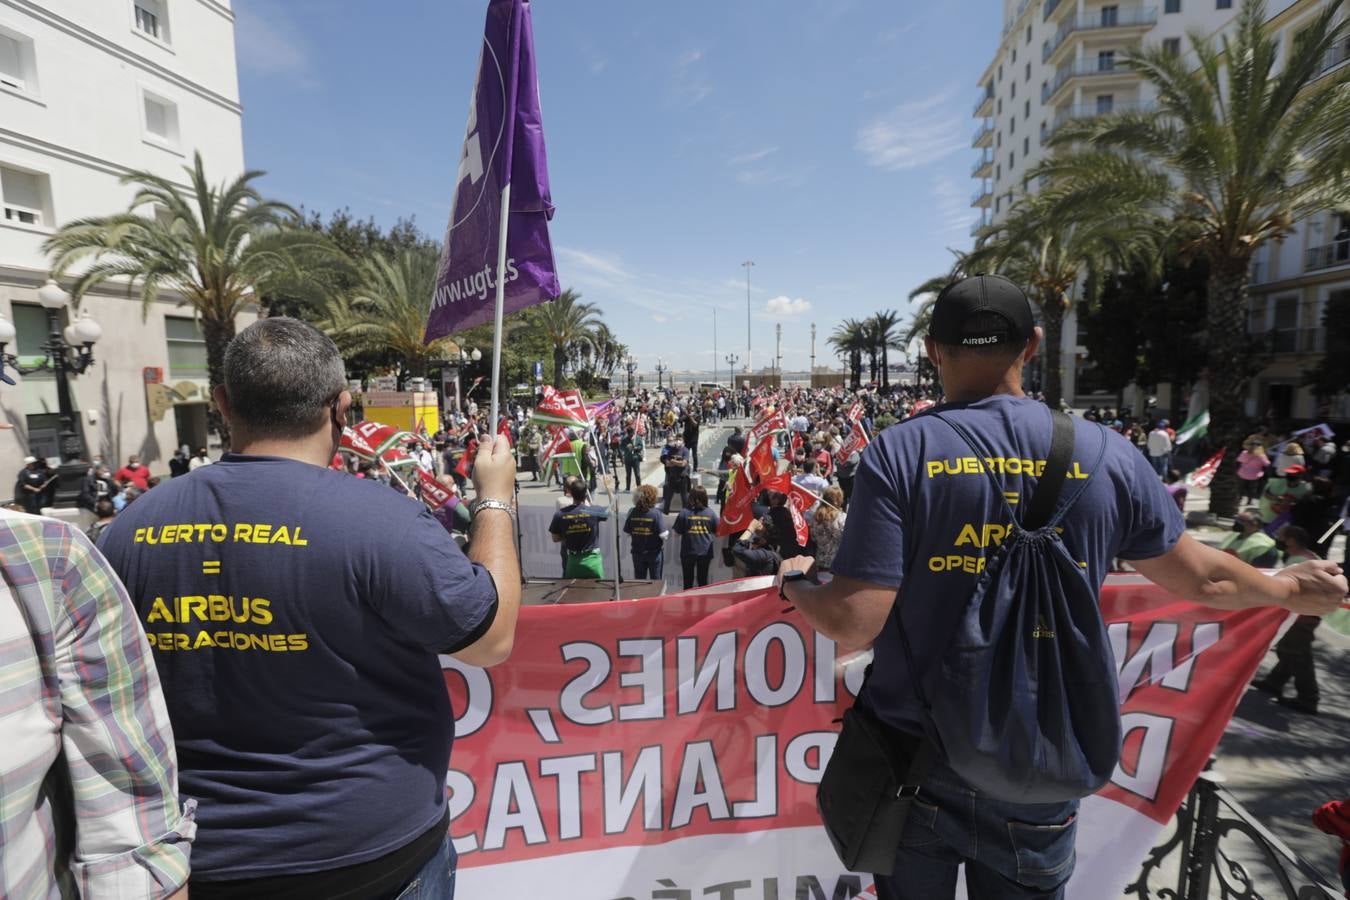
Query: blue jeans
{"points": [[436, 881], [652, 567], [1012, 851]]}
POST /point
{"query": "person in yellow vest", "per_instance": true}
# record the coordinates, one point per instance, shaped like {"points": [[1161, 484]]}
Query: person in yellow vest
{"points": [[1249, 543]]}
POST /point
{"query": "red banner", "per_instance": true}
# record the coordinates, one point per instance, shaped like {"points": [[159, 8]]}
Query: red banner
{"points": [[856, 442], [625, 746], [856, 412], [434, 494], [737, 512]]}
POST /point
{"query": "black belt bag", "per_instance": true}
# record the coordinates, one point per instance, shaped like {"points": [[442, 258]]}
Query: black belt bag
{"points": [[864, 796]]}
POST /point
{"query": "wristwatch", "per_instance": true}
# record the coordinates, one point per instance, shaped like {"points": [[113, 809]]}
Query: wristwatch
{"points": [[489, 503], [786, 579]]}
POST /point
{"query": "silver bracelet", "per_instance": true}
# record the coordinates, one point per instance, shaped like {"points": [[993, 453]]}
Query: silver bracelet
{"points": [[489, 503]]}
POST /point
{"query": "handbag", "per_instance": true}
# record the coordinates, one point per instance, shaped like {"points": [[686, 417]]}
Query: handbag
{"points": [[865, 794]]}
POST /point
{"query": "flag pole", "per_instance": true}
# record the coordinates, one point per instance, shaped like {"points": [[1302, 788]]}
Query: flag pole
{"points": [[495, 406], [613, 505]]}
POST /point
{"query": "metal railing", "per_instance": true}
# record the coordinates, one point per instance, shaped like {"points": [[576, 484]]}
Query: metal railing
{"points": [[982, 163], [978, 228], [1217, 844], [1295, 340], [981, 133], [982, 197], [1337, 253], [1123, 17], [1075, 113], [1336, 55], [1048, 9], [986, 96], [1012, 23], [1083, 69]]}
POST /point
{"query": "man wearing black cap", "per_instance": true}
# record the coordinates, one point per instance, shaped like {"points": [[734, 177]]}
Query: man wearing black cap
{"points": [[918, 517]]}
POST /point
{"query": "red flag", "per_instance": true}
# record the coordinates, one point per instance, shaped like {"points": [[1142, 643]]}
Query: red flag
{"points": [[1202, 476], [737, 513], [796, 443], [466, 461], [799, 501], [561, 408], [784, 485], [434, 494], [640, 428], [504, 429], [761, 462], [856, 442]]}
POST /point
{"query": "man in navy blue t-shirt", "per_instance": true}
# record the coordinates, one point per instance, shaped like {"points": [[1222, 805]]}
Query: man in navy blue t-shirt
{"points": [[924, 516], [296, 614]]}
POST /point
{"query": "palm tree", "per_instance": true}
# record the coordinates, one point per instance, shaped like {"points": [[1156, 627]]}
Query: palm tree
{"points": [[883, 328], [1252, 148], [218, 248], [388, 309], [567, 320], [1047, 244], [848, 341]]}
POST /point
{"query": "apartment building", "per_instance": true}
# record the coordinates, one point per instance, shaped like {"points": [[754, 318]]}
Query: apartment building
{"points": [[1058, 61], [89, 91], [1292, 281]]}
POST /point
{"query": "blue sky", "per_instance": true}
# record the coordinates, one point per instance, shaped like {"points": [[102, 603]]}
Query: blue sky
{"points": [[827, 140]]}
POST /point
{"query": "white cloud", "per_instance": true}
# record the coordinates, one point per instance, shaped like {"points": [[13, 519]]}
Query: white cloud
{"points": [[270, 46], [913, 134], [954, 213], [593, 263], [690, 85], [785, 307], [754, 156]]}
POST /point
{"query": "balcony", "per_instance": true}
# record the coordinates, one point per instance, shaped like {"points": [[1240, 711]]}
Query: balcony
{"points": [[978, 229], [1087, 68], [984, 166], [1076, 113], [1012, 23], [984, 107], [1336, 56], [1048, 9], [984, 136], [983, 198], [1296, 340], [1110, 19], [1328, 256]]}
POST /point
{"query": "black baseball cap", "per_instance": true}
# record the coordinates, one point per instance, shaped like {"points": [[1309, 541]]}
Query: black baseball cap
{"points": [[961, 301]]}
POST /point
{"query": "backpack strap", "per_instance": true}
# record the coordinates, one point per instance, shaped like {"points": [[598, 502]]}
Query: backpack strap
{"points": [[1051, 483]]}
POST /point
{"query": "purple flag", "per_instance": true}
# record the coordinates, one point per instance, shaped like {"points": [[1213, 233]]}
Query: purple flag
{"points": [[504, 142]]}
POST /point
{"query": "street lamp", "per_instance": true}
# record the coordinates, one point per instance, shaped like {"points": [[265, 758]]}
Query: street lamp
{"points": [[68, 352], [661, 369], [732, 359], [630, 365], [461, 361]]}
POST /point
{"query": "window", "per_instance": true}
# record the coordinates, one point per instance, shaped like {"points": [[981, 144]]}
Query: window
{"points": [[1026, 110], [1013, 89], [17, 69], [161, 118], [1000, 73], [1045, 129], [1106, 60], [1223, 4], [1172, 46], [1172, 6], [187, 348], [1012, 159], [1000, 106], [1028, 38], [1026, 146], [1028, 76], [151, 19], [1105, 103], [1014, 54], [1284, 330], [998, 140], [1012, 125], [1110, 16], [31, 331], [998, 172], [23, 195], [997, 202]]}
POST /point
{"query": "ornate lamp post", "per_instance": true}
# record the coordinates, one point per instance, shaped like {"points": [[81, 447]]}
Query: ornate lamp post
{"points": [[630, 365], [732, 359], [661, 369], [65, 353], [461, 361]]}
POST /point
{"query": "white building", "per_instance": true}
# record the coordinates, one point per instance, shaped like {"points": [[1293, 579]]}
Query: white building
{"points": [[1292, 281], [91, 90], [1057, 61]]}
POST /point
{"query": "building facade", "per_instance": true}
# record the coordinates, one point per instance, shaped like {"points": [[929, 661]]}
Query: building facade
{"points": [[90, 91], [1057, 61], [1292, 281]]}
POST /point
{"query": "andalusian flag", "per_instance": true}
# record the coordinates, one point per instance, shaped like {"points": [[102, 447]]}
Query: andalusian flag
{"points": [[564, 408], [1194, 428]]}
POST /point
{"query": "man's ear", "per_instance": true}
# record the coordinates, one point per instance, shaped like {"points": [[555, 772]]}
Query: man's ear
{"points": [[222, 400]]}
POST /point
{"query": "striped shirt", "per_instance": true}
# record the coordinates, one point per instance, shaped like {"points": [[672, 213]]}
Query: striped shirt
{"points": [[88, 776]]}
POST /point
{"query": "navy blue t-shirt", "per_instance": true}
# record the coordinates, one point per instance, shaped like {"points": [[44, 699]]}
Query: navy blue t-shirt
{"points": [[925, 515], [699, 529], [579, 527], [645, 529], [295, 615]]}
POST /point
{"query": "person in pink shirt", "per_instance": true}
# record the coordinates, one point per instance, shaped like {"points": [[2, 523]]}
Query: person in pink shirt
{"points": [[1252, 463]]}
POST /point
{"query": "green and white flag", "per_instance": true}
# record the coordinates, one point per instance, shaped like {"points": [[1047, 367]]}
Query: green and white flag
{"points": [[1194, 428]]}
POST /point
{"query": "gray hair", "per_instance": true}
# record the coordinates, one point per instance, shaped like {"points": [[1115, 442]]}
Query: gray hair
{"points": [[280, 375]]}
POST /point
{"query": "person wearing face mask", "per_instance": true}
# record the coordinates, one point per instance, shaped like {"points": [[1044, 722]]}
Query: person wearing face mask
{"points": [[675, 459], [295, 615], [1281, 493], [1248, 542]]}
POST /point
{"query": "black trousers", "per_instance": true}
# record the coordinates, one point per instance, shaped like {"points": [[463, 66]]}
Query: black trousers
{"points": [[672, 487], [695, 569], [1298, 666], [632, 474], [846, 485]]}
